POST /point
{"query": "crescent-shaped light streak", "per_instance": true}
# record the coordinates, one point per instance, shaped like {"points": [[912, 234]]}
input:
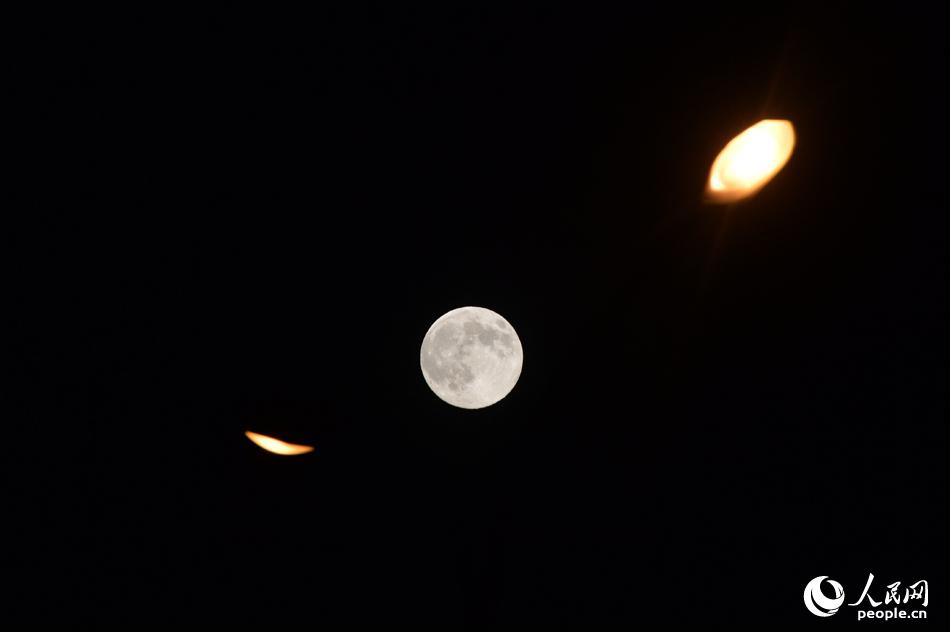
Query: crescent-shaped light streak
{"points": [[750, 160], [276, 445]]}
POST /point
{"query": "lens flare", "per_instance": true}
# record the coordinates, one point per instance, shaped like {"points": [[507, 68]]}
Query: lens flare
{"points": [[277, 446], [750, 160]]}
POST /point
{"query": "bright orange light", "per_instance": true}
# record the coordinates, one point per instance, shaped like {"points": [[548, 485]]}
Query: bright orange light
{"points": [[750, 160], [277, 446]]}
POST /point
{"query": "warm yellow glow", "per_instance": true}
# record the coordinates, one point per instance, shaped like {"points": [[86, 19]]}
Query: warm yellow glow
{"points": [[750, 160], [277, 446]]}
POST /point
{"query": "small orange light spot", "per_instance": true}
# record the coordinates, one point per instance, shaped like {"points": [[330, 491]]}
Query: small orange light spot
{"points": [[276, 445], [750, 160]]}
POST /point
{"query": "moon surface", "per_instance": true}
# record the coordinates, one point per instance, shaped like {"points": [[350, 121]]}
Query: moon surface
{"points": [[471, 357]]}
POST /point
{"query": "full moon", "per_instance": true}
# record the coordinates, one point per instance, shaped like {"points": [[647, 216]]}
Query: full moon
{"points": [[471, 357]]}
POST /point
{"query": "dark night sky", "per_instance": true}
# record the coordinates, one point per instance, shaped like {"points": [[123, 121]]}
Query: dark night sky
{"points": [[246, 221]]}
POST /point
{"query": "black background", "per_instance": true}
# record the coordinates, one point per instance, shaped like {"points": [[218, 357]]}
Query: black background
{"points": [[248, 220]]}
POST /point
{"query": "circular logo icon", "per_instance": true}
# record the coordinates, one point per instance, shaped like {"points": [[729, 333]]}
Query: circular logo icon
{"points": [[817, 603]]}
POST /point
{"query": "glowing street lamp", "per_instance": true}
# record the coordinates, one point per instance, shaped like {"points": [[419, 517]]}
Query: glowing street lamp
{"points": [[277, 446], [750, 160]]}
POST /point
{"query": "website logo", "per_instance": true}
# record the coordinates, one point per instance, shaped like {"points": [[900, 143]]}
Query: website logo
{"points": [[820, 604], [816, 601]]}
